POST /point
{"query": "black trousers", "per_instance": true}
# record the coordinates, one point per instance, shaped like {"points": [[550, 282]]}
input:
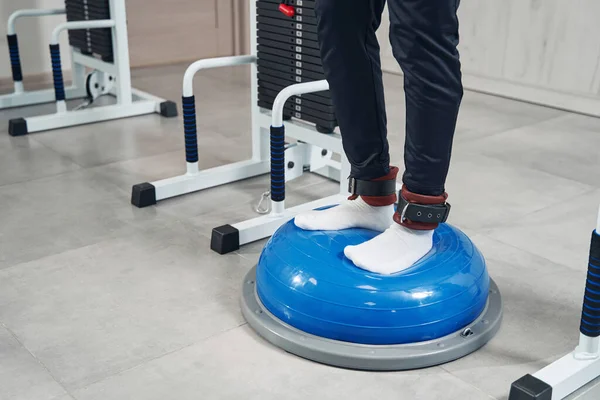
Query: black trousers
{"points": [[424, 36]]}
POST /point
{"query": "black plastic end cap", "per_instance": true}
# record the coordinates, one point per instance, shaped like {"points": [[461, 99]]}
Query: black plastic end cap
{"points": [[143, 195], [17, 127], [225, 239], [324, 129], [168, 109], [530, 388]]}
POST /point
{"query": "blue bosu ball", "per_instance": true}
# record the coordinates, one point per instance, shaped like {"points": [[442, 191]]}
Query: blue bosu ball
{"points": [[304, 279]]}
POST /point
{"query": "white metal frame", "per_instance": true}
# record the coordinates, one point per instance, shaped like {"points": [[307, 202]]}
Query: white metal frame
{"points": [[129, 102], [195, 179], [576, 369], [21, 97], [264, 226]]}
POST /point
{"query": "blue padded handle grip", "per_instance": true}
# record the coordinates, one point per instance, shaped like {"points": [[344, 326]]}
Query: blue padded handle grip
{"points": [[277, 163], [590, 317], [15, 59], [189, 129], [59, 85]]}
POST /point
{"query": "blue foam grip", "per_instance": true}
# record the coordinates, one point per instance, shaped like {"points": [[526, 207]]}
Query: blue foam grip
{"points": [[278, 163], [304, 279], [189, 128], [15, 59], [590, 316], [59, 85]]}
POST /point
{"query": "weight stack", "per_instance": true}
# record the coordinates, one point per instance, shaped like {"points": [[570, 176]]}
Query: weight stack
{"points": [[288, 53], [94, 42]]}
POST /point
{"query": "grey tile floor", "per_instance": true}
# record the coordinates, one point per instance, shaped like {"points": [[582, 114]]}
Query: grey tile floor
{"points": [[101, 300]]}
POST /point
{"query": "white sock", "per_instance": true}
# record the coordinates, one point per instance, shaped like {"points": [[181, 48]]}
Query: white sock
{"points": [[393, 251], [349, 214]]}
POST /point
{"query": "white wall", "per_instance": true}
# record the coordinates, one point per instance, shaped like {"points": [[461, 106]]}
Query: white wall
{"points": [[33, 35], [544, 51]]}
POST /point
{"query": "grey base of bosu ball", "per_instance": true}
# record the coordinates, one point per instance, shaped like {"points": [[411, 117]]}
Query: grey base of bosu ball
{"points": [[309, 300]]}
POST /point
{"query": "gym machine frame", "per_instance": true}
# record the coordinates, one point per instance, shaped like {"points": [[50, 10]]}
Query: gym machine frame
{"points": [[578, 368], [21, 97], [313, 151], [129, 101]]}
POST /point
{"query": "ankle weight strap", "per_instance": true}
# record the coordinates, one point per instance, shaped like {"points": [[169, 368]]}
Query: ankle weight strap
{"points": [[425, 213], [371, 188]]}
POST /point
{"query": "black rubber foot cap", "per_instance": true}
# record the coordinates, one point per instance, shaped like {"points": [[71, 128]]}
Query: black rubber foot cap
{"points": [[168, 109], [225, 239], [323, 129], [530, 388], [17, 127], [143, 195]]}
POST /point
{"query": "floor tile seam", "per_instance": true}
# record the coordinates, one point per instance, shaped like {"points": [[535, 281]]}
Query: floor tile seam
{"points": [[32, 355], [78, 169], [443, 367], [55, 151], [566, 267], [564, 114], [154, 358], [95, 243]]}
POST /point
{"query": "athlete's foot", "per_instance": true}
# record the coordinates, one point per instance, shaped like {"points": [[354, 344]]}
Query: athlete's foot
{"points": [[349, 214], [393, 251]]}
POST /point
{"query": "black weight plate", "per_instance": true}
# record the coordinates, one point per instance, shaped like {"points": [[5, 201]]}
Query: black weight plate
{"points": [[300, 101], [298, 26], [289, 47], [299, 3], [289, 32], [300, 109], [304, 117], [289, 69], [273, 90], [290, 62], [288, 39], [278, 15]]}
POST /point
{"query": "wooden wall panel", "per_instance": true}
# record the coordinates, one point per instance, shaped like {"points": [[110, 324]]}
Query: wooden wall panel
{"points": [[170, 31]]}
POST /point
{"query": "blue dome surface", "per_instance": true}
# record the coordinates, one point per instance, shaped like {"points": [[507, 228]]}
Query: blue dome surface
{"points": [[304, 279]]}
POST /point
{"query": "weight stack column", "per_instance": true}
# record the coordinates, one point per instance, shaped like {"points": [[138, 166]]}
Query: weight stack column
{"points": [[288, 53]]}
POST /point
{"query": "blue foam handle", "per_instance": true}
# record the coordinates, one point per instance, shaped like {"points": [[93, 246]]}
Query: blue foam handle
{"points": [[15, 59], [277, 163], [590, 316], [59, 84], [190, 129]]}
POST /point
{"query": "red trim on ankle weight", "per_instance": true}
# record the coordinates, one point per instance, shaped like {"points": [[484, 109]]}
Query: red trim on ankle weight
{"points": [[419, 199], [380, 201]]}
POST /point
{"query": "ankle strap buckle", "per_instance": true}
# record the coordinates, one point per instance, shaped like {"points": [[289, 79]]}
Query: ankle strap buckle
{"points": [[371, 188], [425, 213]]}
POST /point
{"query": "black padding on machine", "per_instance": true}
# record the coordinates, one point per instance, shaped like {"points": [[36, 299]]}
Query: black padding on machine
{"points": [[595, 248], [590, 316], [371, 188], [426, 213]]}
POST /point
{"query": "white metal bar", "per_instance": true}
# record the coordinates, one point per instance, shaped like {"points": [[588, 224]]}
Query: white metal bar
{"points": [[70, 25], [568, 374], [190, 72], [193, 182], [30, 13], [264, 226], [120, 41], [90, 115], [94, 63], [28, 98], [293, 90]]}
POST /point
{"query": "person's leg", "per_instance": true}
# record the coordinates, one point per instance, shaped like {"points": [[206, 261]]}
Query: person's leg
{"points": [[350, 57], [424, 36]]}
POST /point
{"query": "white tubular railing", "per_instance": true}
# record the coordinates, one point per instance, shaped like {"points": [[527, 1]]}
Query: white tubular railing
{"points": [[278, 140]]}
